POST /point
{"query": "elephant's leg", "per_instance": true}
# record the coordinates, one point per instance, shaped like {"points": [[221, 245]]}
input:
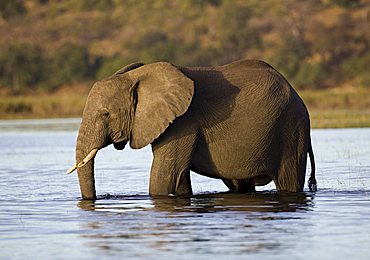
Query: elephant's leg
{"points": [[183, 186], [169, 176], [170, 173], [241, 186], [292, 169]]}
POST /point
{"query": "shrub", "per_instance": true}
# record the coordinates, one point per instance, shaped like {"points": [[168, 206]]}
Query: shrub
{"points": [[18, 107], [347, 3], [289, 57], [357, 67], [110, 65], [69, 64], [22, 66], [10, 8], [154, 46], [103, 5], [236, 36], [292, 60], [310, 75]]}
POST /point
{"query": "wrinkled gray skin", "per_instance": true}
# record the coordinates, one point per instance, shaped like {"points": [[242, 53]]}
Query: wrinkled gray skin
{"points": [[241, 123]]}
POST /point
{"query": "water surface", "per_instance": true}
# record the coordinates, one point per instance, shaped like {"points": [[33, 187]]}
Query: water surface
{"points": [[42, 216]]}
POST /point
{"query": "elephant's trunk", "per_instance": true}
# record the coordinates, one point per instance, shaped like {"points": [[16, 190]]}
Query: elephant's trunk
{"points": [[87, 182], [85, 162], [86, 178]]}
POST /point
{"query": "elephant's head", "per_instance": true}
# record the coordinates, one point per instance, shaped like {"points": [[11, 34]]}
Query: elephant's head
{"points": [[136, 104]]}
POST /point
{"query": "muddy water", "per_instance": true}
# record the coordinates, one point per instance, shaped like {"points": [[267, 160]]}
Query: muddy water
{"points": [[41, 215]]}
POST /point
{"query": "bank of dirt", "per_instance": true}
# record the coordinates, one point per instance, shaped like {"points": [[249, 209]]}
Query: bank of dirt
{"points": [[330, 108]]}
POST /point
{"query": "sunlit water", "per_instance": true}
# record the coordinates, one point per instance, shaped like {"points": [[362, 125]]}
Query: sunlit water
{"points": [[42, 216]]}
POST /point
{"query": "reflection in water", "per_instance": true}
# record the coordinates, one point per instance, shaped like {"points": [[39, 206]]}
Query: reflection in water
{"points": [[205, 222], [258, 202], [204, 203]]}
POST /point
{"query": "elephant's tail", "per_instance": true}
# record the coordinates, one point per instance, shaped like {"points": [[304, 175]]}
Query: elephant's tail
{"points": [[312, 184]]}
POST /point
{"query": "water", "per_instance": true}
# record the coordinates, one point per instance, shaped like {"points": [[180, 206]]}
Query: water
{"points": [[41, 215]]}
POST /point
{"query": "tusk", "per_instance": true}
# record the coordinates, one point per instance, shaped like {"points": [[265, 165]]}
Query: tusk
{"points": [[83, 162], [72, 169], [88, 157]]}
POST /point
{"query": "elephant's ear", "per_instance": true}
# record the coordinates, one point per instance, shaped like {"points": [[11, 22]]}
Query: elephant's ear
{"points": [[129, 67], [163, 93]]}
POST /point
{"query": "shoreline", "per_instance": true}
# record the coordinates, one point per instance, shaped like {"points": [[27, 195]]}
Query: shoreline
{"points": [[329, 108], [319, 119]]}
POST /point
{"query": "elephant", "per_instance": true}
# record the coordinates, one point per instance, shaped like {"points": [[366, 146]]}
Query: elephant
{"points": [[241, 122]]}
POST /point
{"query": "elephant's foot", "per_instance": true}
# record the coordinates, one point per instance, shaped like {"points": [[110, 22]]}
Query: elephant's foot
{"points": [[240, 186]]}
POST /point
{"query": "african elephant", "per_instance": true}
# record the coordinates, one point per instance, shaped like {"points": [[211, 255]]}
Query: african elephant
{"points": [[242, 123]]}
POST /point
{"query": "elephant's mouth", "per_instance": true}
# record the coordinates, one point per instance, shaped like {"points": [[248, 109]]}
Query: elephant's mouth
{"points": [[120, 145]]}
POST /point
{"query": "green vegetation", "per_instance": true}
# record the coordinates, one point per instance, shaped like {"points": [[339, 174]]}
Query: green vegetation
{"points": [[22, 66], [48, 45], [315, 44], [69, 64], [9, 8]]}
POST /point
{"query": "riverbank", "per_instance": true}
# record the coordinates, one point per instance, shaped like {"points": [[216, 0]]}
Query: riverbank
{"points": [[338, 107], [331, 108]]}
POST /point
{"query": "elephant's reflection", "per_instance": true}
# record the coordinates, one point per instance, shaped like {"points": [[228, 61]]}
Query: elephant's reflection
{"points": [[205, 203], [259, 202], [163, 223]]}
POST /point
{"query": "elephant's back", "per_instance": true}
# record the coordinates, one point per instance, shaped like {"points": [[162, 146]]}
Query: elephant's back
{"points": [[251, 64], [251, 77]]}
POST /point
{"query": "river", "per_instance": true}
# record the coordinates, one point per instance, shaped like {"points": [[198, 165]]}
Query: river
{"points": [[42, 216]]}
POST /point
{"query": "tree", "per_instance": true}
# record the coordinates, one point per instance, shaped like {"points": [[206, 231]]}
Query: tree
{"points": [[70, 63], [236, 37], [22, 66], [9, 8]]}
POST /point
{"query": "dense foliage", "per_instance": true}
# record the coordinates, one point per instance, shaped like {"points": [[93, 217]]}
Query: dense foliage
{"points": [[316, 43]]}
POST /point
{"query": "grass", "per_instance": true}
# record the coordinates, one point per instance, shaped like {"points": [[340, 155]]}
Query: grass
{"points": [[339, 118], [330, 108], [339, 107], [44, 106]]}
